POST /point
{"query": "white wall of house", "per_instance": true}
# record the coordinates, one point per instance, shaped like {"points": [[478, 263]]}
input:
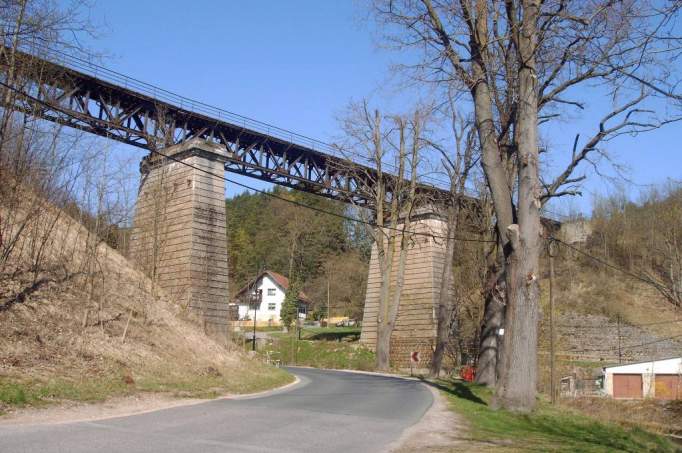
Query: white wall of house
{"points": [[270, 306], [648, 370]]}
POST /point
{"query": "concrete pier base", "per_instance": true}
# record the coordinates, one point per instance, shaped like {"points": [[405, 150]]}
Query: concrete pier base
{"points": [[179, 235]]}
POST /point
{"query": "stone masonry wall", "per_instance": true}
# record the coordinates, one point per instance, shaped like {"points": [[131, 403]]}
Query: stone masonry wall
{"points": [[415, 328], [179, 233], [595, 338]]}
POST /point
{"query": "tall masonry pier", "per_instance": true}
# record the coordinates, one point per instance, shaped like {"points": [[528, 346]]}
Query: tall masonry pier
{"points": [[415, 328], [179, 234]]}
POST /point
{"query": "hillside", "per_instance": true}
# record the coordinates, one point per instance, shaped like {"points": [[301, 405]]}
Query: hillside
{"points": [[619, 280], [604, 317], [594, 308], [327, 254], [83, 325]]}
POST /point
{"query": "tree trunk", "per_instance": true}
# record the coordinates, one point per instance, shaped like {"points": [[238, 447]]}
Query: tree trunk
{"points": [[394, 306], [517, 386], [385, 249], [493, 318], [444, 297], [383, 348]]}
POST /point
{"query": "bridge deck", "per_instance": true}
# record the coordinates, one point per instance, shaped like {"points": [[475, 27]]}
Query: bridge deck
{"points": [[103, 102]]}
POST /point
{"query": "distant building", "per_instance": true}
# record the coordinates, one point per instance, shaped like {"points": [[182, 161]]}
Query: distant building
{"points": [[576, 231], [273, 287], [659, 379]]}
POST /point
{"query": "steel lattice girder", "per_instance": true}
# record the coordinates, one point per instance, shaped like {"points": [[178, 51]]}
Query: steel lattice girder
{"points": [[63, 95]]}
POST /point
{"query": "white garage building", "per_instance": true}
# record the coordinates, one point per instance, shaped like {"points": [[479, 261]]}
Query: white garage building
{"points": [[659, 379]]}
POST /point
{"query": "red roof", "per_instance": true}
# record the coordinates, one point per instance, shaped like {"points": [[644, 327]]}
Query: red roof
{"points": [[280, 280]]}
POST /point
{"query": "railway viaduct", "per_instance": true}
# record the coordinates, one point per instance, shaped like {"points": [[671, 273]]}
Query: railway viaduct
{"points": [[179, 233]]}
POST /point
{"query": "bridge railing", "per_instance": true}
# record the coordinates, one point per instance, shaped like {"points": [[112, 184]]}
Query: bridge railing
{"points": [[116, 78], [191, 105]]}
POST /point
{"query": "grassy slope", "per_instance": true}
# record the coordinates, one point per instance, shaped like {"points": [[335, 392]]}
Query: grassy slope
{"points": [[584, 288], [316, 351], [48, 353], [548, 429]]}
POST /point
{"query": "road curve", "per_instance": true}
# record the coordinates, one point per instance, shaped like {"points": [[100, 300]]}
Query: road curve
{"points": [[328, 411]]}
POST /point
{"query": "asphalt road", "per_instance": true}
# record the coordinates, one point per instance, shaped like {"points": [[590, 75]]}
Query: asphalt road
{"points": [[328, 411]]}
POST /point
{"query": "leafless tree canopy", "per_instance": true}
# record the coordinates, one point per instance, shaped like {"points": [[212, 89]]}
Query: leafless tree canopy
{"points": [[397, 142], [587, 51], [518, 64]]}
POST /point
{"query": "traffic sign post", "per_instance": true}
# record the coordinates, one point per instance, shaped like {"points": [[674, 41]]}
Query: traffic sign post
{"points": [[414, 360]]}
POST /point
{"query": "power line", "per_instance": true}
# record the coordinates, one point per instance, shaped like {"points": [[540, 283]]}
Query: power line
{"points": [[315, 208], [75, 62], [566, 326], [606, 263], [640, 345], [264, 192]]}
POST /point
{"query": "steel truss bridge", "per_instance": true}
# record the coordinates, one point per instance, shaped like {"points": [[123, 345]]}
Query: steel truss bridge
{"points": [[72, 92]]}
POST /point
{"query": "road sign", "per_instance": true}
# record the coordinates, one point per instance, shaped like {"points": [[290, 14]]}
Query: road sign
{"points": [[414, 357]]}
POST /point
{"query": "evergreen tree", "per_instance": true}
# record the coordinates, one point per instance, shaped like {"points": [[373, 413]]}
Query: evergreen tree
{"points": [[289, 310]]}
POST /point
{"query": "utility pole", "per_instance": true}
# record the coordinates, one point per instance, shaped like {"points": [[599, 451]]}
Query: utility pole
{"points": [[551, 250], [328, 300], [257, 297], [620, 353]]}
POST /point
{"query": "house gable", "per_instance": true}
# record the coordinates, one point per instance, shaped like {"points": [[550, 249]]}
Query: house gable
{"points": [[273, 288]]}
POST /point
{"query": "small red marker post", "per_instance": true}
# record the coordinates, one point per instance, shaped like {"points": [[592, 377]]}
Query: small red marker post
{"points": [[414, 359]]}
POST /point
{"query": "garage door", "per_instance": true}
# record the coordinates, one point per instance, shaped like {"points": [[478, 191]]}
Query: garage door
{"points": [[668, 387], [627, 385]]}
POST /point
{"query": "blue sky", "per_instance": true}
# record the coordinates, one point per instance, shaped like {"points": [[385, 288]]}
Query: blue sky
{"points": [[297, 64]]}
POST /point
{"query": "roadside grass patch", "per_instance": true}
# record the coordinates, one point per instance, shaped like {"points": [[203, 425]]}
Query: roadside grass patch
{"points": [[250, 377], [31, 392], [319, 353], [12, 394], [213, 383], [331, 333], [547, 429]]}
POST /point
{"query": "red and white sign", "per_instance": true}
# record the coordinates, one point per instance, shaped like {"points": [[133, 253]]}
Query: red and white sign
{"points": [[414, 357]]}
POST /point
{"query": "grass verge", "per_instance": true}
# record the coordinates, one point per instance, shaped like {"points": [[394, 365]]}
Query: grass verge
{"points": [[319, 353], [212, 383], [547, 429], [21, 392], [18, 392]]}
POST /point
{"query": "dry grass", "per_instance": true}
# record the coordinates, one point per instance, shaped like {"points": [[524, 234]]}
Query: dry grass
{"points": [[586, 289], [47, 353], [657, 416]]}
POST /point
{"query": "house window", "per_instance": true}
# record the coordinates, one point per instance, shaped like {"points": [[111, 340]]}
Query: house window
{"points": [[272, 291], [272, 306], [302, 310]]}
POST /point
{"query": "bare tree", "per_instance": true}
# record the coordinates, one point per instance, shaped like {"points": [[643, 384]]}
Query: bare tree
{"points": [[644, 237], [458, 165], [521, 63], [393, 197], [42, 27], [38, 162]]}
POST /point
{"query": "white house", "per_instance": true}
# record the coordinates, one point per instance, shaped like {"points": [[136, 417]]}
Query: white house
{"points": [[273, 287], [660, 379]]}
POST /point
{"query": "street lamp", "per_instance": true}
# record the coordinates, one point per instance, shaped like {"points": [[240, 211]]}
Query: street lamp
{"points": [[256, 298]]}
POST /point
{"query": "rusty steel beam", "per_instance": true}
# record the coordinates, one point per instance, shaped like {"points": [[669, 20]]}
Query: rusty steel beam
{"points": [[146, 119]]}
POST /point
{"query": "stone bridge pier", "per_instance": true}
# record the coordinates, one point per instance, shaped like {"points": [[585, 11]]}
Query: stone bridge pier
{"points": [[179, 240], [415, 328], [179, 233]]}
